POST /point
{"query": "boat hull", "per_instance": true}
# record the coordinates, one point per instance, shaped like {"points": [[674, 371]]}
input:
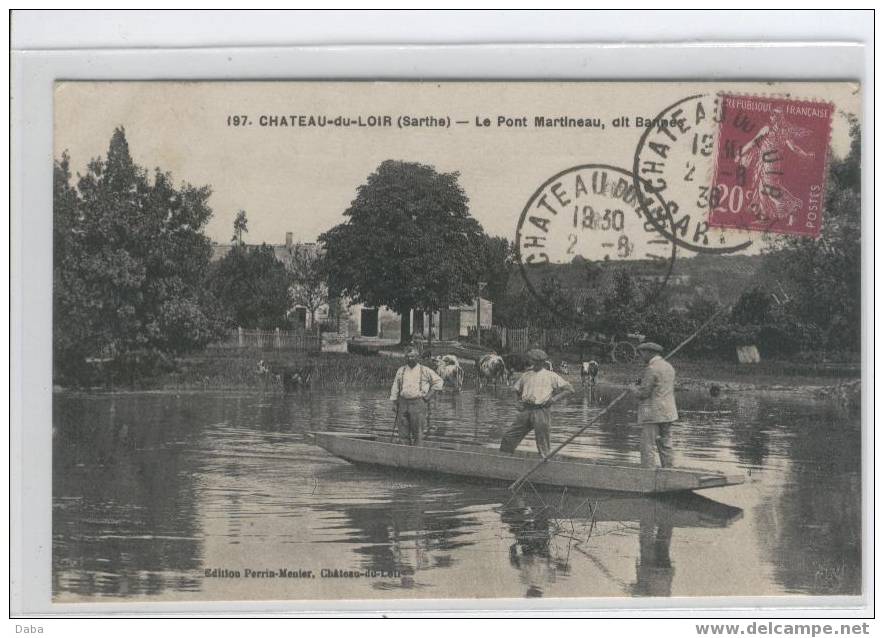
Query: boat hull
{"points": [[477, 462]]}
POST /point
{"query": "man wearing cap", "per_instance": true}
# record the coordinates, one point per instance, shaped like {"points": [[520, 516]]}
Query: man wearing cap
{"points": [[537, 389], [656, 406], [413, 387]]}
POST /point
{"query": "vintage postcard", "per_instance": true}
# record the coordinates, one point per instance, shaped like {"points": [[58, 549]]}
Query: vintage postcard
{"points": [[456, 340]]}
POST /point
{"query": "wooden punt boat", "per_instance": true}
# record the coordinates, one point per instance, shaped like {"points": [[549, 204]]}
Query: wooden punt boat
{"points": [[487, 463]]}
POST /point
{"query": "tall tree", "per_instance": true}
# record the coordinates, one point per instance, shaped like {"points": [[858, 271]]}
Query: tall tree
{"points": [[409, 242], [308, 279], [72, 329], [130, 258], [253, 287], [497, 263], [823, 276], [240, 226]]}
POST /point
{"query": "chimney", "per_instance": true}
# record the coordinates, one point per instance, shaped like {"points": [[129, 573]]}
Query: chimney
{"points": [[288, 239]]}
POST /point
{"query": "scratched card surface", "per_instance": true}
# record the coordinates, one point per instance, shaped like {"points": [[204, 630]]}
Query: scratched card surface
{"points": [[313, 340]]}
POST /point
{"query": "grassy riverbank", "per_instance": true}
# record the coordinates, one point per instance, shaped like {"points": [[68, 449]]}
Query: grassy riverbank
{"points": [[236, 369], [232, 369], [759, 376], [223, 369], [839, 384]]}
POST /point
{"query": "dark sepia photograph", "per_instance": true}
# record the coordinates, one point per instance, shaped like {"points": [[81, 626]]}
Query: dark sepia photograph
{"points": [[327, 340]]}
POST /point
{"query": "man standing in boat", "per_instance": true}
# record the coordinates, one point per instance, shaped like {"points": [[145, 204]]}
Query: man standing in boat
{"points": [[413, 387], [656, 406], [537, 390]]}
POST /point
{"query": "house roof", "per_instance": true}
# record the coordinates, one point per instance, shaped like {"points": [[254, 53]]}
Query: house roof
{"points": [[471, 306], [281, 251]]}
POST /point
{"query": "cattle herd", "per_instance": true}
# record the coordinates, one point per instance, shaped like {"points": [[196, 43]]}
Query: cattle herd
{"points": [[491, 369], [494, 369], [290, 378]]}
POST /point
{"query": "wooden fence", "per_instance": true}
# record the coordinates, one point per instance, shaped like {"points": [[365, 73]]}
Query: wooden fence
{"points": [[510, 339], [523, 339], [271, 340]]}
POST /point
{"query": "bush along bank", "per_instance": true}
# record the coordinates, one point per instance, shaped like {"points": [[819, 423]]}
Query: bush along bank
{"points": [[273, 371], [251, 369]]}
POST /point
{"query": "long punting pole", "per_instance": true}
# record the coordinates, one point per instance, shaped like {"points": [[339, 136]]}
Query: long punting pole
{"points": [[519, 481]]}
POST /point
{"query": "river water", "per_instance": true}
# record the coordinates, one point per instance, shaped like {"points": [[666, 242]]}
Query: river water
{"points": [[176, 495]]}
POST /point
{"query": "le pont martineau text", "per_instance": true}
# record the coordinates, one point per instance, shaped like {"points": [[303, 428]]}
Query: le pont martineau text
{"points": [[306, 121]]}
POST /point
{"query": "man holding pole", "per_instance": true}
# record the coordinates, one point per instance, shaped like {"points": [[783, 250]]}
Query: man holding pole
{"points": [[413, 387], [654, 351], [537, 389], [656, 406]]}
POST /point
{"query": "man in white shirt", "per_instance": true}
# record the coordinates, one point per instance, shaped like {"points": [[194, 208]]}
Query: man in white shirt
{"points": [[413, 387], [656, 406], [537, 390]]}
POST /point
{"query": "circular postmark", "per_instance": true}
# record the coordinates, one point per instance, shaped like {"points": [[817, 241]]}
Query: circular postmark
{"points": [[675, 161], [581, 226]]}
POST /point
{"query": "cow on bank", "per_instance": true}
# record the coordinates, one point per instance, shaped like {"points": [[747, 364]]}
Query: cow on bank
{"points": [[448, 367], [589, 370], [491, 369], [289, 377], [297, 378]]}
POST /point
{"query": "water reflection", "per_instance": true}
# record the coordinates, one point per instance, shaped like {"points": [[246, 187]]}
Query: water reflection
{"points": [[653, 569], [418, 529], [151, 489], [421, 527], [812, 520], [534, 532], [123, 506]]}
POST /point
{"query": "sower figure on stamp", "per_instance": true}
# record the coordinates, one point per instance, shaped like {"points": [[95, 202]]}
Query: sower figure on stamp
{"points": [[656, 406], [537, 389], [413, 387]]}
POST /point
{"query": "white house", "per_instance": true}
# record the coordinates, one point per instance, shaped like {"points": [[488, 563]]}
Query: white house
{"points": [[449, 324]]}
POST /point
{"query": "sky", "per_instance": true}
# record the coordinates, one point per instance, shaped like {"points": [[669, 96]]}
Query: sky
{"points": [[301, 179]]}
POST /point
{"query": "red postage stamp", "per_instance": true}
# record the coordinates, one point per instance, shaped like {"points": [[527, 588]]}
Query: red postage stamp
{"points": [[770, 165]]}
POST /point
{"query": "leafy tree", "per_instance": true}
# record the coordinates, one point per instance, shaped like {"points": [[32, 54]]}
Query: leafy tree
{"points": [[253, 286], [130, 258], [496, 263], [621, 305], [822, 276], [72, 338], [753, 306], [409, 242], [701, 308], [308, 279], [240, 226]]}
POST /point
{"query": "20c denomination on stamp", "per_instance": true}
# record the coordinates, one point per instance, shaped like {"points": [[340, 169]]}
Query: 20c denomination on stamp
{"points": [[770, 164]]}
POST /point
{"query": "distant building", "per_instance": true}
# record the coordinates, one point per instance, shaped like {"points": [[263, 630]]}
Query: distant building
{"points": [[379, 323], [282, 251], [448, 324]]}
